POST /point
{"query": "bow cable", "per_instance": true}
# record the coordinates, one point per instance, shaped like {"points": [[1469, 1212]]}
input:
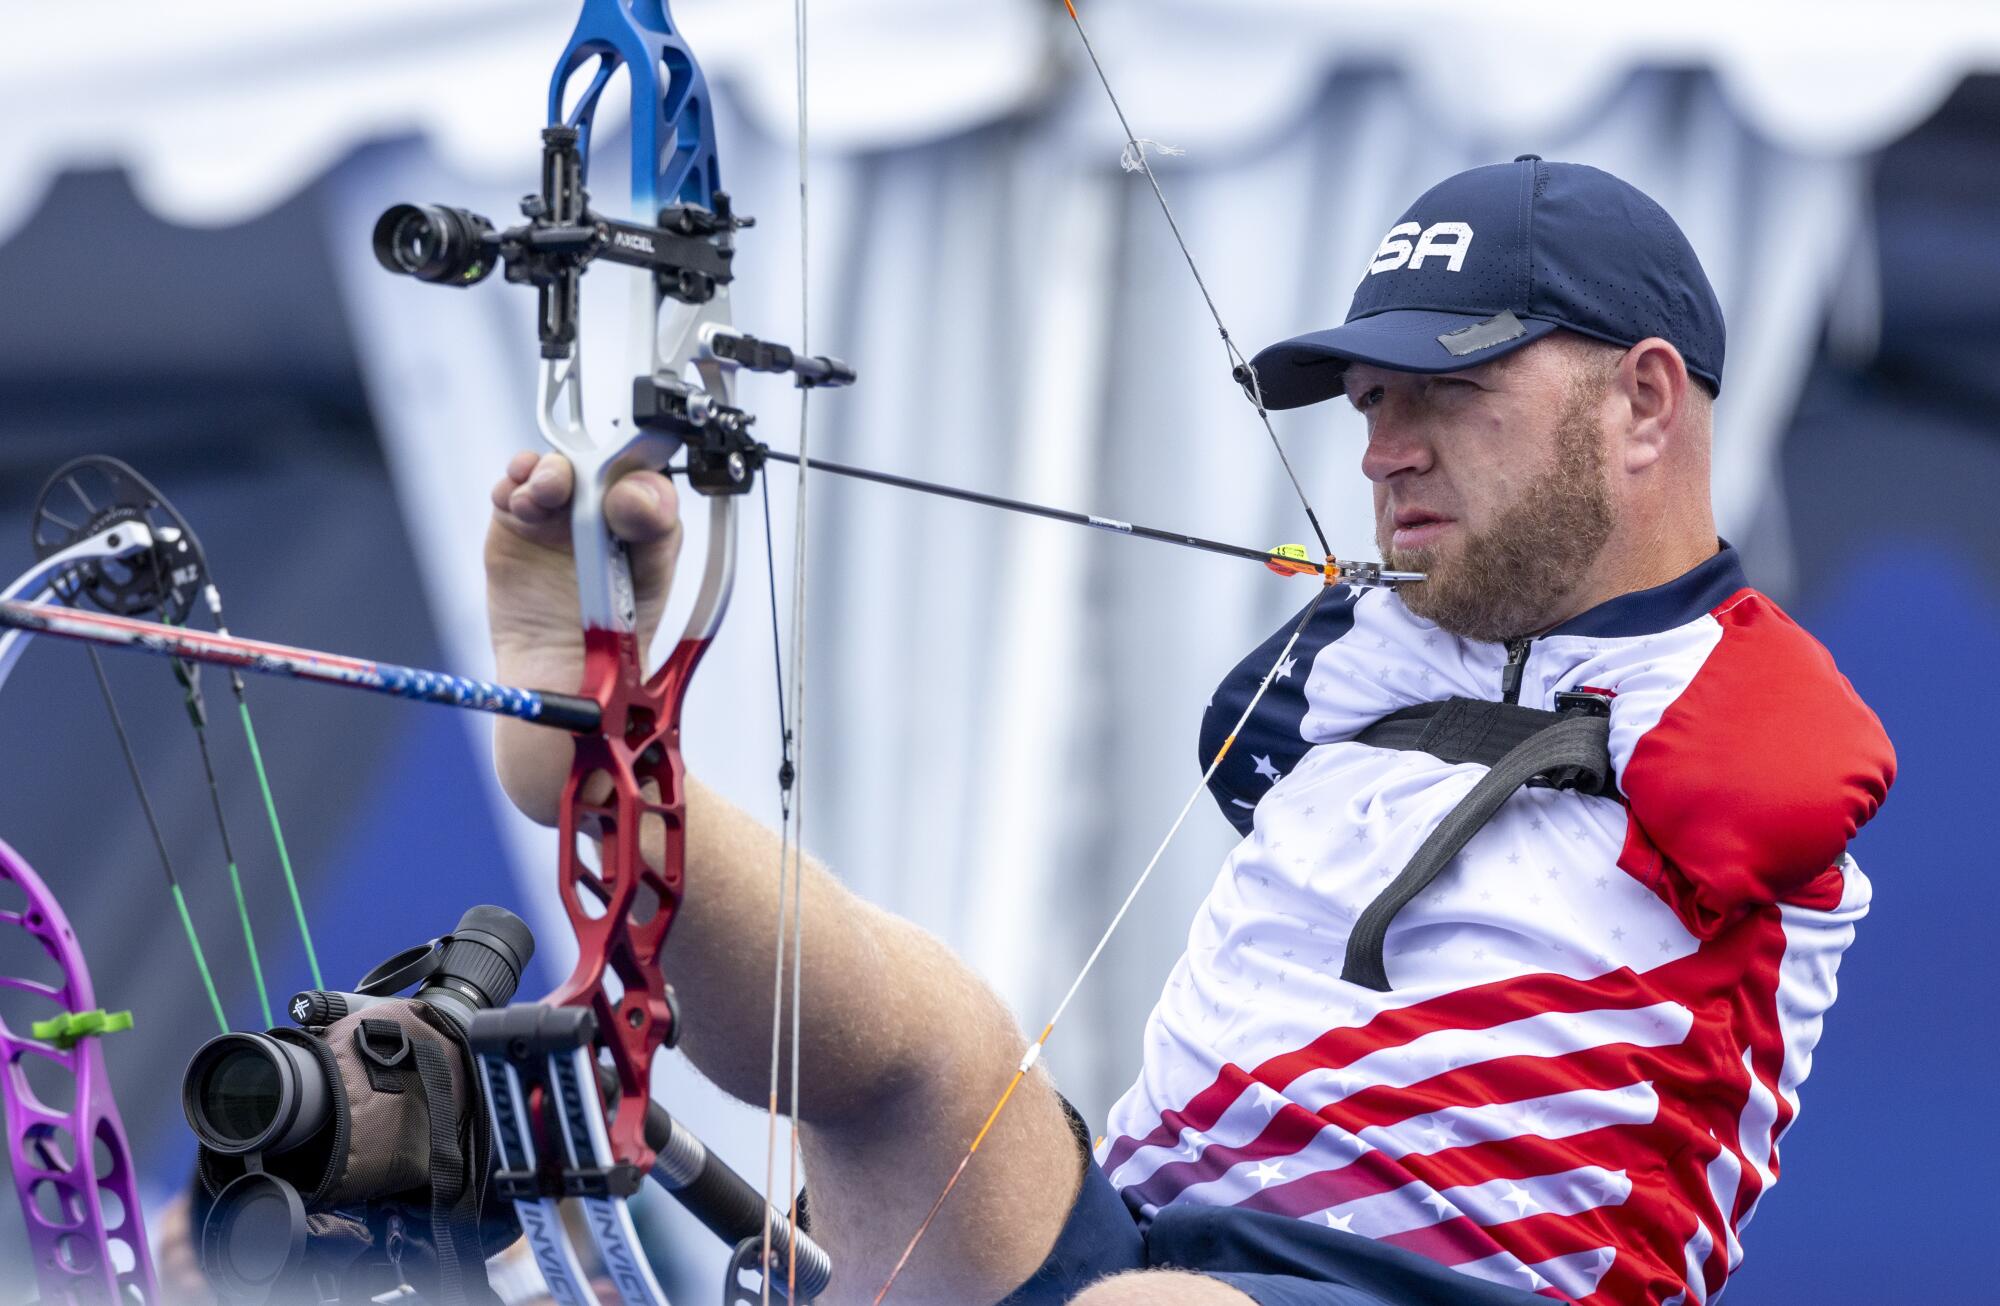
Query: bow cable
{"points": [[159, 841], [159, 568], [188, 673], [213, 598], [144, 582]]}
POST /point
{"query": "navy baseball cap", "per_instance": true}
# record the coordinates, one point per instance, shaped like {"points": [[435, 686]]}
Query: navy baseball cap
{"points": [[1495, 258]]}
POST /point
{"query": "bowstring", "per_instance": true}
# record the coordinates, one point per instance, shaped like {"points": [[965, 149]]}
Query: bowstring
{"points": [[1134, 159], [791, 850], [786, 776], [798, 674]]}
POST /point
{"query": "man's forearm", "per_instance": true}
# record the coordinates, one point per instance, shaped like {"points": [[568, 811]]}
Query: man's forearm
{"points": [[883, 999], [903, 1050], [886, 1005]]}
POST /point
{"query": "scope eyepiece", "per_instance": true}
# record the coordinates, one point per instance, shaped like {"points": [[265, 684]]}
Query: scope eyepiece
{"points": [[484, 955], [433, 242]]}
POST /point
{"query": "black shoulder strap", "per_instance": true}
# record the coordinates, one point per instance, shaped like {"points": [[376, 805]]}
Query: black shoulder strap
{"points": [[1567, 749]]}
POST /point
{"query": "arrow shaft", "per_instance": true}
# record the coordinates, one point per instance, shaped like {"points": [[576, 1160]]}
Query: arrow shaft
{"points": [[538, 707], [1023, 506], [1332, 570]]}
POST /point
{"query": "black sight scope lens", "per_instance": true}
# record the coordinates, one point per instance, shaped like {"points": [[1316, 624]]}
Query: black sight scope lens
{"points": [[432, 242], [240, 1094], [254, 1093]]}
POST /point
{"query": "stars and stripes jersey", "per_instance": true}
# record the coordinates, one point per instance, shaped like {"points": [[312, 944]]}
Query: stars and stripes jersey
{"points": [[1600, 1012]]}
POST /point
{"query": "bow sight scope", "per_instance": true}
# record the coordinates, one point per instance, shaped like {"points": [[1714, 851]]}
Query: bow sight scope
{"points": [[434, 242]]}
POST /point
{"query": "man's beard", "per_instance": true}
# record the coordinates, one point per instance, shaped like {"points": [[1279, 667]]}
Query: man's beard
{"points": [[1501, 584]]}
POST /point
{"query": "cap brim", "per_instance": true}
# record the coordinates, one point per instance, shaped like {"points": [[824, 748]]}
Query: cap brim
{"points": [[1307, 369]]}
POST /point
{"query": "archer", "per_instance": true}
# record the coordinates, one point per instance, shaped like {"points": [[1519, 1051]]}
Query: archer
{"points": [[1433, 1038]]}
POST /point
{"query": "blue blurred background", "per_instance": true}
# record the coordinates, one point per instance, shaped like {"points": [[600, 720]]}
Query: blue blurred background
{"points": [[1003, 717]]}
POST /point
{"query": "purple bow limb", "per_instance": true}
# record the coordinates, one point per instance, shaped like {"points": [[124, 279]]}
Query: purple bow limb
{"points": [[72, 1168]]}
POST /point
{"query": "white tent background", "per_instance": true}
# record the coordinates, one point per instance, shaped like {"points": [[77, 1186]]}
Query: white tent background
{"points": [[1002, 712]]}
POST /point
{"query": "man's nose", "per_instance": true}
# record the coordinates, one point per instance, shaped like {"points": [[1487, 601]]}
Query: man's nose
{"points": [[1394, 445]]}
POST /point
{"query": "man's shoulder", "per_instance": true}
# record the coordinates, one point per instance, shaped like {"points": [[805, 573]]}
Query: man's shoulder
{"points": [[1746, 668], [1750, 752]]}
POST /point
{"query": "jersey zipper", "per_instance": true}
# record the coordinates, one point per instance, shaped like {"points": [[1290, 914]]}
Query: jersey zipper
{"points": [[1510, 675]]}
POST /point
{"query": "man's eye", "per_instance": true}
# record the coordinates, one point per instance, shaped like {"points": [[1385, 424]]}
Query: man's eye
{"points": [[1367, 398]]}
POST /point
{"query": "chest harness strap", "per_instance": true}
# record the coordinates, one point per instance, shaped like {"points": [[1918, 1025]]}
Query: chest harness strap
{"points": [[1564, 749]]}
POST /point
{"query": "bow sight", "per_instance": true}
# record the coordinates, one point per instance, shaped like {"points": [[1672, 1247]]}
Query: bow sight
{"points": [[688, 252]]}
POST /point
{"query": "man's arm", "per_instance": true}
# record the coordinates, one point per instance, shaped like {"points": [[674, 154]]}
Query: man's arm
{"points": [[1765, 733], [903, 1048]]}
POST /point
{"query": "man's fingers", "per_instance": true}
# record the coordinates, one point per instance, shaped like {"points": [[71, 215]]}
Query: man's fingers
{"points": [[642, 507]]}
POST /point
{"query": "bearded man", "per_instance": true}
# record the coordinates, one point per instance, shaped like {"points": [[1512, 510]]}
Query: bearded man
{"points": [[1437, 1036]]}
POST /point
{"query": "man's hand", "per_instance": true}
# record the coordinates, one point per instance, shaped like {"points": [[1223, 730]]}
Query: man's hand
{"points": [[531, 603]]}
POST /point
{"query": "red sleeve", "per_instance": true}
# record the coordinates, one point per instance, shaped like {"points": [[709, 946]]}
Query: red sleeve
{"points": [[1761, 770]]}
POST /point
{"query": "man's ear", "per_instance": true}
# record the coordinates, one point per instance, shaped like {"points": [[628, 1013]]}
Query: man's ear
{"points": [[1653, 380]]}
